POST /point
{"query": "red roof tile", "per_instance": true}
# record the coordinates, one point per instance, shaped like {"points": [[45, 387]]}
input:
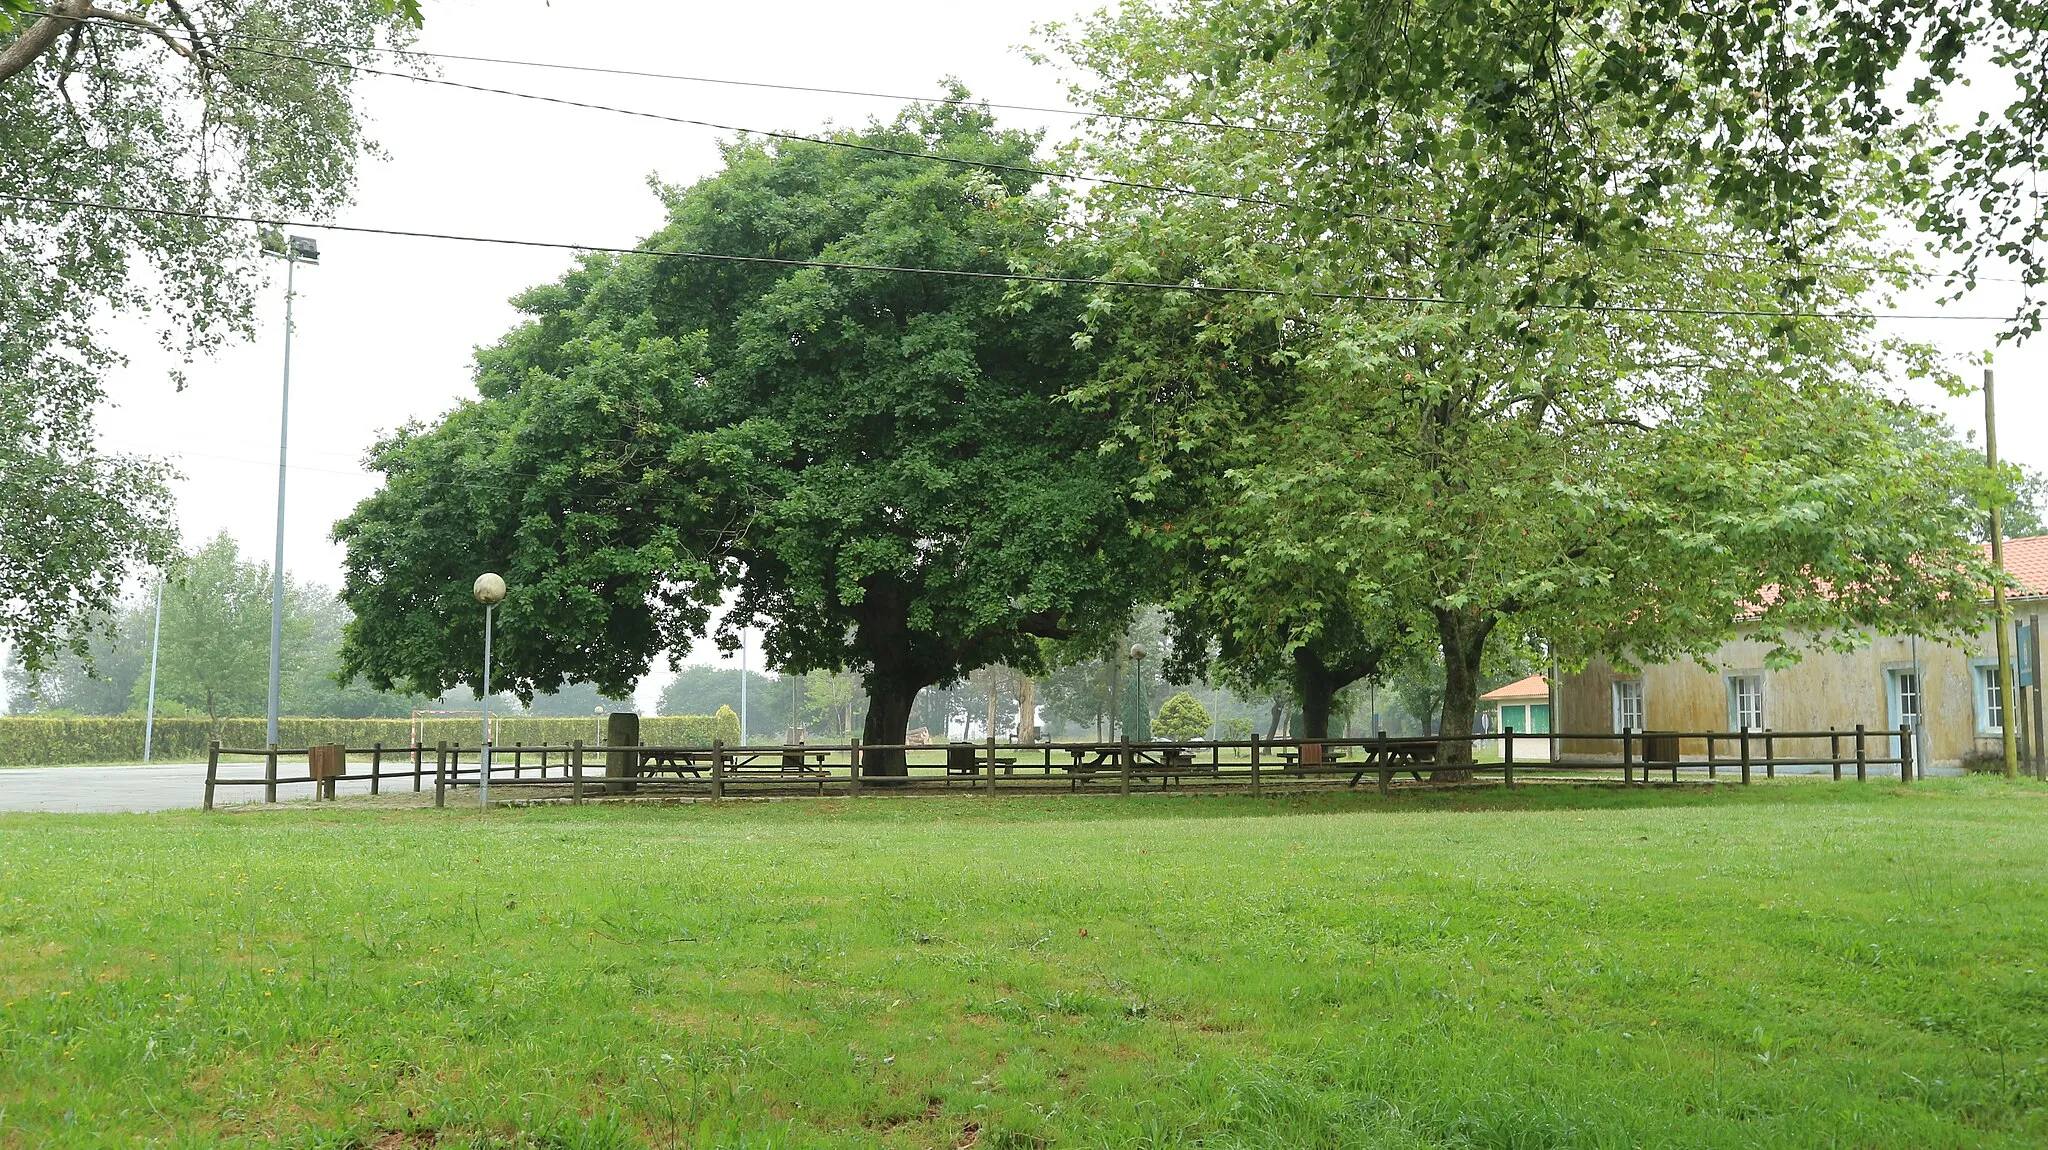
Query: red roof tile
{"points": [[1533, 687], [2026, 560]]}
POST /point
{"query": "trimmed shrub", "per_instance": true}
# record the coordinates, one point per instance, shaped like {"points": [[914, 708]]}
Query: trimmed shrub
{"points": [[31, 740]]}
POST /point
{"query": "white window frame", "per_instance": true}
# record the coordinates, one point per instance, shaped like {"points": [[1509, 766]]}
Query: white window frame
{"points": [[1983, 689], [1627, 692], [1735, 693], [1895, 695]]}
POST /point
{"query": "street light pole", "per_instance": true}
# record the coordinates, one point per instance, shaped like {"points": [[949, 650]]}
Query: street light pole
{"points": [[489, 590], [294, 251], [156, 639], [743, 686]]}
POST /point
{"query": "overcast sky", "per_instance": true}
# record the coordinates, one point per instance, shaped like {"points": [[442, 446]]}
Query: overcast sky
{"points": [[386, 326]]}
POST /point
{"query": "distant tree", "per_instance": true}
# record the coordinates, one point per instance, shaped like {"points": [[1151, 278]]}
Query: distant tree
{"points": [[1182, 719], [1237, 729], [170, 114], [216, 639], [575, 701], [699, 689]]}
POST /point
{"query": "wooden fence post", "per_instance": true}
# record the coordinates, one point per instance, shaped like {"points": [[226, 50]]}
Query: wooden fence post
{"points": [[1255, 764], [1862, 756], [1712, 763], [1124, 768], [1745, 754], [717, 769], [1835, 752], [853, 767], [270, 773], [576, 773], [991, 765], [419, 766], [1770, 754], [1507, 756], [441, 773], [376, 766], [212, 770], [1905, 752], [1386, 771], [1628, 768]]}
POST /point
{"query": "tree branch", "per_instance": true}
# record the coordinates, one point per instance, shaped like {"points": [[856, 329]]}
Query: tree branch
{"points": [[158, 30], [36, 40]]}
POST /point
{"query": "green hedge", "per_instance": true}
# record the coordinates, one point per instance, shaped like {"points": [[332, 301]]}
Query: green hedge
{"points": [[30, 740]]}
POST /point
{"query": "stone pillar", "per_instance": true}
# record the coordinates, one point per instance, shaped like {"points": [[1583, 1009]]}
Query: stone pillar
{"points": [[621, 730]]}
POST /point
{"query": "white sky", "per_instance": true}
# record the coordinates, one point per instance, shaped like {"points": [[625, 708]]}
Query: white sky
{"points": [[386, 326]]}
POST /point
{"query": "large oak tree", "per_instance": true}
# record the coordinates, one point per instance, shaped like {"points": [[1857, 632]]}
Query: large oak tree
{"points": [[877, 464]]}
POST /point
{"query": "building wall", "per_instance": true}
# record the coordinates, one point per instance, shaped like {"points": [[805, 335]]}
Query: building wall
{"points": [[1824, 690]]}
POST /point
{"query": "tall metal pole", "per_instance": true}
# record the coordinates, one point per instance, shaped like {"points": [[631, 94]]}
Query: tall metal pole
{"points": [[284, 423], [156, 639], [483, 789], [2007, 702], [743, 686]]}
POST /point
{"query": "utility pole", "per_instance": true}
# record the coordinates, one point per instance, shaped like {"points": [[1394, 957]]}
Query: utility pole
{"points": [[156, 639], [2007, 703], [743, 686]]}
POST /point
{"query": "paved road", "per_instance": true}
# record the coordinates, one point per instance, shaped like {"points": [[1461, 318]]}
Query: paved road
{"points": [[131, 788]]}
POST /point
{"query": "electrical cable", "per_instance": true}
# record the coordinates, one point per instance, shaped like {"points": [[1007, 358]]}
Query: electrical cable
{"points": [[1104, 181], [1017, 277]]}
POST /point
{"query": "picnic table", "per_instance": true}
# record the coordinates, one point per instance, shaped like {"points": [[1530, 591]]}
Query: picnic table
{"points": [[679, 761], [1411, 755], [1162, 763]]}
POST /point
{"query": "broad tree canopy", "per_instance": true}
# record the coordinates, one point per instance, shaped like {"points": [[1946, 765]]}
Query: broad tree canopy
{"points": [[876, 462]]}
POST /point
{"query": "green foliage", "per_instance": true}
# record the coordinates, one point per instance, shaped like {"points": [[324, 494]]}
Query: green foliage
{"points": [[878, 464], [1772, 112], [34, 740], [700, 690], [1181, 719], [1237, 729], [189, 116], [1477, 452]]}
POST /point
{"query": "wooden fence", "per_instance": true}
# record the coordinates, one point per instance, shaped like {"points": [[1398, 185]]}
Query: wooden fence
{"points": [[578, 771]]}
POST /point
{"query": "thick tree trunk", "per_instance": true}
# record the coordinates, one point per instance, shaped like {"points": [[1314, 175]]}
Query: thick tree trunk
{"points": [[1463, 637], [1027, 710], [1273, 720], [1317, 689], [888, 722]]}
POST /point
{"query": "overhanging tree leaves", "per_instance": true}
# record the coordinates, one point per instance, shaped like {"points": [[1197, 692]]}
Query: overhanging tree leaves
{"points": [[874, 463], [1753, 97], [179, 108], [1459, 412]]}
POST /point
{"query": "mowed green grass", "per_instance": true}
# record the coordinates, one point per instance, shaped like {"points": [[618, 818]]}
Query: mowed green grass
{"points": [[1797, 964]]}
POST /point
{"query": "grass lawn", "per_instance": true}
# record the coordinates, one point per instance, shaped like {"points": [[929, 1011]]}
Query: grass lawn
{"points": [[1796, 964]]}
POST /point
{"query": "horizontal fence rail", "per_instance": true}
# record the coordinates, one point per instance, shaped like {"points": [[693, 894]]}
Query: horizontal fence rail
{"points": [[578, 771]]}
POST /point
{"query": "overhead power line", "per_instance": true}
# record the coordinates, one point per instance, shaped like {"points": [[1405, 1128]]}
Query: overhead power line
{"points": [[965, 273], [1047, 173]]}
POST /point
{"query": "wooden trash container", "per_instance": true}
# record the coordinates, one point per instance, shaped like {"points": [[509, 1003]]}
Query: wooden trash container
{"points": [[324, 764], [1660, 748]]}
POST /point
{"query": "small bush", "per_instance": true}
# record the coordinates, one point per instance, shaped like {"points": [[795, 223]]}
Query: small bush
{"points": [[1984, 762]]}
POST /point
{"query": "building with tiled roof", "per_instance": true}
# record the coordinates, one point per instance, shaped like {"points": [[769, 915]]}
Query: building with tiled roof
{"points": [[1947, 693]]}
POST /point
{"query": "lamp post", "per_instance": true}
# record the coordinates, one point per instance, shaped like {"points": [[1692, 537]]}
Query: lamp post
{"points": [[490, 591], [295, 251], [1143, 709]]}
